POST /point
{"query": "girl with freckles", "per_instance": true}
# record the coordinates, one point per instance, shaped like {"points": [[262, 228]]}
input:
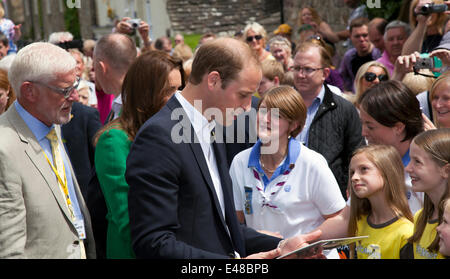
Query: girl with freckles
{"points": [[379, 207]]}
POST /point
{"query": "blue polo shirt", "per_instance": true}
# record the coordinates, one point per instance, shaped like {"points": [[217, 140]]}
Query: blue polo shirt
{"points": [[291, 158]]}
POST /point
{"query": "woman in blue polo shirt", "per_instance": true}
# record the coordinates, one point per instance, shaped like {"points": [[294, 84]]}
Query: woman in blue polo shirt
{"points": [[279, 184]]}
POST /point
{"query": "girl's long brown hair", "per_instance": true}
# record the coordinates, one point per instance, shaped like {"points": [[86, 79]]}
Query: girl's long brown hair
{"points": [[145, 90], [437, 144], [389, 163]]}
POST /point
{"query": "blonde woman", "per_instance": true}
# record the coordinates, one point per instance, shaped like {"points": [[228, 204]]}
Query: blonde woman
{"points": [[428, 30], [440, 101], [255, 36], [280, 48], [368, 75]]}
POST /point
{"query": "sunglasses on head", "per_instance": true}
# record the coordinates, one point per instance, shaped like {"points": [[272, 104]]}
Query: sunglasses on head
{"points": [[250, 38], [372, 76]]}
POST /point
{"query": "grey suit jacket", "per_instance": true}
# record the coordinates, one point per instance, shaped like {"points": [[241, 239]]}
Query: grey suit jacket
{"points": [[34, 219]]}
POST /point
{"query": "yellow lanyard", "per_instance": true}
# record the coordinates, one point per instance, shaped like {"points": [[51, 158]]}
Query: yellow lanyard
{"points": [[63, 184]]}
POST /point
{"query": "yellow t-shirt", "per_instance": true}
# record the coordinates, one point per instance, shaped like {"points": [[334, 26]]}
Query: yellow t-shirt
{"points": [[420, 248], [385, 240]]}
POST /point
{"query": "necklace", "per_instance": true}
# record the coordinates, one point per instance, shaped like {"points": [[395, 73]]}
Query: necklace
{"points": [[267, 169], [270, 170]]}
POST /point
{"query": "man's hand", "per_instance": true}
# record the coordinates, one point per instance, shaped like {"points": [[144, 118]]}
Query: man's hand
{"points": [[404, 64], [443, 54], [427, 124], [124, 27], [299, 241], [272, 254]]}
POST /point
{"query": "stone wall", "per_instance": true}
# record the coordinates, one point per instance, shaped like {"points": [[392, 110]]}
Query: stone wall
{"points": [[334, 12], [201, 16]]}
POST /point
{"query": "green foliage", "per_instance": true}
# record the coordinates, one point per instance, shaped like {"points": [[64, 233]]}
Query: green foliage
{"points": [[192, 40], [72, 22], [388, 10]]}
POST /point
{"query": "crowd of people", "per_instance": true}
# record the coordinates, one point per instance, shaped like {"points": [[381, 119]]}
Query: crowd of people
{"points": [[245, 147]]}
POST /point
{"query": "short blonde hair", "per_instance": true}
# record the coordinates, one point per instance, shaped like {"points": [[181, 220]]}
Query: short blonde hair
{"points": [[271, 69], [282, 42], [289, 102], [257, 28], [182, 52]]}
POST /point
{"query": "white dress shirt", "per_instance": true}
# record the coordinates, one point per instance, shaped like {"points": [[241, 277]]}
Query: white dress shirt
{"points": [[203, 130]]}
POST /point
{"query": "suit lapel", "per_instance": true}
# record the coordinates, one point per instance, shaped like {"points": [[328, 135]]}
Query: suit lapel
{"points": [[36, 154], [230, 213], [189, 136]]}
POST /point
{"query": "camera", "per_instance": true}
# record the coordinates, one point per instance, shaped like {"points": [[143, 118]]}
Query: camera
{"points": [[427, 62], [432, 8], [71, 44], [134, 22]]}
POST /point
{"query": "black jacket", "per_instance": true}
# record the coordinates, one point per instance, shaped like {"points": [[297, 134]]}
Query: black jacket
{"points": [[335, 133], [78, 137], [174, 211]]}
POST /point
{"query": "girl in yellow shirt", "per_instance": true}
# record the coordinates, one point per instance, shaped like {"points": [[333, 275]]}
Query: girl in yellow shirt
{"points": [[429, 169], [379, 207]]}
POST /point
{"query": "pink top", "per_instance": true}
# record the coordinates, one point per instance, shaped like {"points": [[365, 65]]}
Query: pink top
{"points": [[384, 59], [104, 104]]}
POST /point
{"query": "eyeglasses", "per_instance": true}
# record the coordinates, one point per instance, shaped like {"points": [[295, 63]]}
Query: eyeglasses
{"points": [[256, 37], [372, 76], [304, 70], [63, 91]]}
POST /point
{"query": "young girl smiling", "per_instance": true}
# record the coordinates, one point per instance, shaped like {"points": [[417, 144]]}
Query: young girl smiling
{"points": [[429, 169], [379, 207]]}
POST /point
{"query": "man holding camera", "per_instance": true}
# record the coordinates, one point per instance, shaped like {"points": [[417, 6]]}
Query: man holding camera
{"points": [[129, 26]]}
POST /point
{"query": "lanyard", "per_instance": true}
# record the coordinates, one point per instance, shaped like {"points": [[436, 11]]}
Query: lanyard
{"points": [[63, 185]]}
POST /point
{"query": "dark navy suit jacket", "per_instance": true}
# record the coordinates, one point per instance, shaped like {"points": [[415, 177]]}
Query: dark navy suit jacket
{"points": [[174, 211], [78, 136]]}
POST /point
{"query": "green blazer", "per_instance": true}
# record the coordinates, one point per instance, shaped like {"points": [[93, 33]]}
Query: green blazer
{"points": [[111, 154]]}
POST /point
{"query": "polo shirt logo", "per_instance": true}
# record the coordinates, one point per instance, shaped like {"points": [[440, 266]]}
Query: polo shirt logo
{"points": [[248, 200]]}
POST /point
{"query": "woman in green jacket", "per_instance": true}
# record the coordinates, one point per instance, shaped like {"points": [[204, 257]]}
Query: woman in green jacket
{"points": [[149, 83]]}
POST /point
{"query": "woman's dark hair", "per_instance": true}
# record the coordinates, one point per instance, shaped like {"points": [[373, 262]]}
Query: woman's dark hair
{"points": [[145, 90], [391, 102]]}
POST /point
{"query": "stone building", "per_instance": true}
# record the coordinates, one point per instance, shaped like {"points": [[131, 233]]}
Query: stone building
{"points": [[39, 18]]}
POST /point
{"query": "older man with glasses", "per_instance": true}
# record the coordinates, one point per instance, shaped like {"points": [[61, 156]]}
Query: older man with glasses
{"points": [[332, 125], [43, 214]]}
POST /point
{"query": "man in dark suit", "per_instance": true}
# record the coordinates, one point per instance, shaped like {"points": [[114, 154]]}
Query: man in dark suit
{"points": [[78, 136], [180, 198]]}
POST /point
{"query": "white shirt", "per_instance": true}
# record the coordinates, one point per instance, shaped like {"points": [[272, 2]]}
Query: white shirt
{"points": [[296, 197], [203, 130], [117, 106]]}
